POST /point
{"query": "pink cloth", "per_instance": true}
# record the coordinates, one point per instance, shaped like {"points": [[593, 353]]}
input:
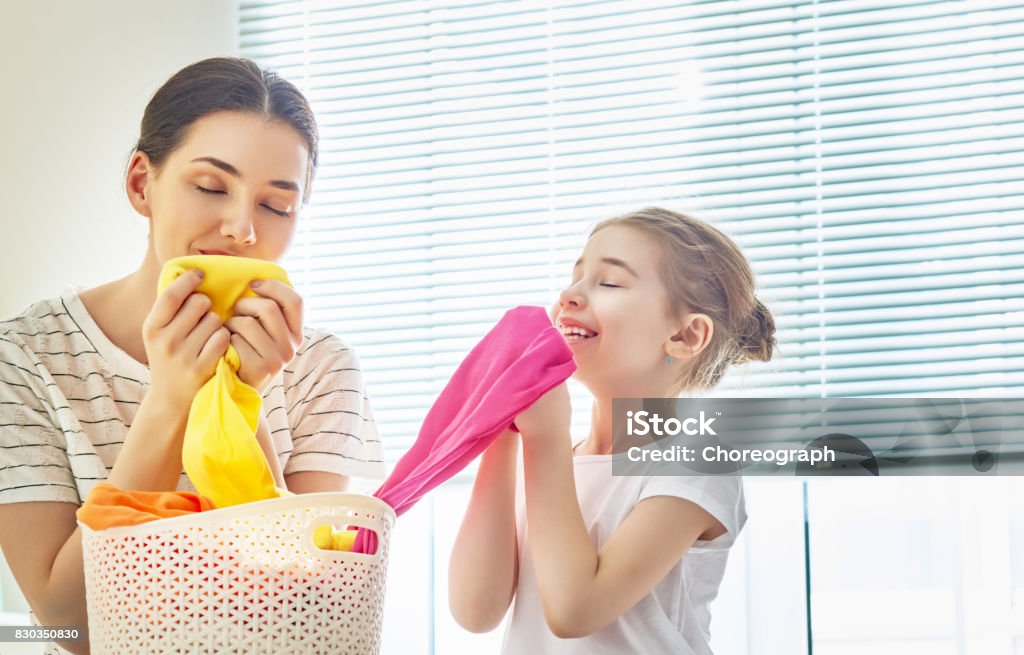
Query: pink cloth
{"points": [[521, 358]]}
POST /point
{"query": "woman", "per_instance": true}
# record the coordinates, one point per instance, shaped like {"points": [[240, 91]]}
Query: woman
{"points": [[96, 384]]}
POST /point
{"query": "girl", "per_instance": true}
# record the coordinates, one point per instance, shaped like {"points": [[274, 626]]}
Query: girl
{"points": [[659, 304], [96, 384]]}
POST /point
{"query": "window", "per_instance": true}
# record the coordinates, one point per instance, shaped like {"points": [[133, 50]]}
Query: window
{"points": [[867, 156]]}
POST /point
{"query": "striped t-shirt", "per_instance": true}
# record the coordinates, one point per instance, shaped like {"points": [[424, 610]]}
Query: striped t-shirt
{"points": [[68, 396]]}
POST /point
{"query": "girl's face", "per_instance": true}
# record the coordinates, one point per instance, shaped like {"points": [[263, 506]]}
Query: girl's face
{"points": [[616, 317], [232, 187]]}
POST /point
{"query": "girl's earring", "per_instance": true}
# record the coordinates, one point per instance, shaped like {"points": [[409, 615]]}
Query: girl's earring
{"points": [[669, 360]]}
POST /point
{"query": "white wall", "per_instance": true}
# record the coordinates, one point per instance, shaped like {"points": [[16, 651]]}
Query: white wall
{"points": [[75, 77]]}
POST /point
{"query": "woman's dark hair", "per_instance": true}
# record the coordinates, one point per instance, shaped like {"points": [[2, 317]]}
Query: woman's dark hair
{"points": [[223, 84]]}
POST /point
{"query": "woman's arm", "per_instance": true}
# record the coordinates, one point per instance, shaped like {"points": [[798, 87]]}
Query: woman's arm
{"points": [[583, 589], [307, 482], [43, 548], [269, 451], [40, 540], [484, 567], [42, 543]]}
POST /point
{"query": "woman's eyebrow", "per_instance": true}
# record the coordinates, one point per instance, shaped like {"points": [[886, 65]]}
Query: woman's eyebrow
{"points": [[612, 261], [231, 170]]}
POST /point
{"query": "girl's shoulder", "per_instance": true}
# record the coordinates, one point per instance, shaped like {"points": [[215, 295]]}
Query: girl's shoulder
{"points": [[719, 495]]}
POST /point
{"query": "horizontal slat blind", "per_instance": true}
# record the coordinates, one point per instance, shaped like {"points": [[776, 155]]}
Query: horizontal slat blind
{"points": [[868, 155]]}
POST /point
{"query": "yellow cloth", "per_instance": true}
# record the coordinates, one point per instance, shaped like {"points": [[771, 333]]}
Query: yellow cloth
{"points": [[327, 538], [221, 455]]}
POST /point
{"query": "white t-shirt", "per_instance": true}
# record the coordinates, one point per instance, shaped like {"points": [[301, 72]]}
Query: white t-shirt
{"points": [[68, 396], [674, 617]]}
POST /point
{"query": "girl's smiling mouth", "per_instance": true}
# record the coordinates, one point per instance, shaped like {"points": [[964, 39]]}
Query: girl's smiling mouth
{"points": [[573, 331]]}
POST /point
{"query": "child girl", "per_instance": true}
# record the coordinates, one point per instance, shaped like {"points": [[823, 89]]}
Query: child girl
{"points": [[659, 304], [96, 384]]}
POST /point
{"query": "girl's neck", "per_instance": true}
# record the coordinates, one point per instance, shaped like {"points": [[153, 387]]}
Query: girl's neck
{"points": [[600, 439]]}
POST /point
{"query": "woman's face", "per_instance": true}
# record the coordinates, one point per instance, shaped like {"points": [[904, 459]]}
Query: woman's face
{"points": [[232, 187]]}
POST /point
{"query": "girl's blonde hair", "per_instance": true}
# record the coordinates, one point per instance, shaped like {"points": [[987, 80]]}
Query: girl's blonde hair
{"points": [[705, 272]]}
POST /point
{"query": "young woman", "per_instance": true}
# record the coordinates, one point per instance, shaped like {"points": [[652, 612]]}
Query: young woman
{"points": [[96, 384], [659, 304]]}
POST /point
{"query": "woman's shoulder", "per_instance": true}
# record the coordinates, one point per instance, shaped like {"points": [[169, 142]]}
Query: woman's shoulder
{"points": [[38, 327], [321, 353], [318, 343]]}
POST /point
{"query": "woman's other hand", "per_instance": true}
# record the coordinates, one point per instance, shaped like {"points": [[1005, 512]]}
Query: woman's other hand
{"points": [[266, 331]]}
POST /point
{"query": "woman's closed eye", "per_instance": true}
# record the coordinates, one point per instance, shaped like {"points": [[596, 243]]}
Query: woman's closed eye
{"points": [[279, 212], [610, 285]]}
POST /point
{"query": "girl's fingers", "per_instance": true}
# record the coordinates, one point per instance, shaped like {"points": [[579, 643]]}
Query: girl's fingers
{"points": [[288, 299], [170, 300]]}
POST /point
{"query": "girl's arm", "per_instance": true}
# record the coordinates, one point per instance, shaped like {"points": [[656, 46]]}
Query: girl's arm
{"points": [[583, 589], [484, 566]]}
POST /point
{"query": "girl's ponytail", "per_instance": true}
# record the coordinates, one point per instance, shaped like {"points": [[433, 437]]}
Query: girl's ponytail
{"points": [[757, 341]]}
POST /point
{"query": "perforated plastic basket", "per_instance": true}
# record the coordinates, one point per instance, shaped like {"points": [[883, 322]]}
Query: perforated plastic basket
{"points": [[244, 579]]}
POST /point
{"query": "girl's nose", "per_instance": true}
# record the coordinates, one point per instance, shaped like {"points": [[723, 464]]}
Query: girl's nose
{"points": [[571, 297]]}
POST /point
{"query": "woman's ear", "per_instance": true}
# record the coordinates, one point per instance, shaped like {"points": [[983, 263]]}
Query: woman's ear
{"points": [[693, 336], [136, 184]]}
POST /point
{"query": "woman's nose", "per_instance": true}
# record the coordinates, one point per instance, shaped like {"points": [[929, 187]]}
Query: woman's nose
{"points": [[239, 226]]}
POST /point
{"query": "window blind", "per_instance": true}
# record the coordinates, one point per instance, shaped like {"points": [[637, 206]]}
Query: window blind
{"points": [[867, 155]]}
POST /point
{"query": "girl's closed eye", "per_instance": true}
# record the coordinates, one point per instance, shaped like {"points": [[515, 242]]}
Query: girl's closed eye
{"points": [[203, 189], [610, 285]]}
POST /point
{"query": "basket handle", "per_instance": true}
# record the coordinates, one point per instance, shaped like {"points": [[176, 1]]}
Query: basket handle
{"points": [[339, 522]]}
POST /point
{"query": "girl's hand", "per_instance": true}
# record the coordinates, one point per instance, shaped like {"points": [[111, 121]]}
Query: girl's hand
{"points": [[266, 331], [550, 415], [183, 341]]}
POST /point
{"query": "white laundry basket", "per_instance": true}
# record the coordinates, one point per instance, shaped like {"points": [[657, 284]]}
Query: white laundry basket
{"points": [[244, 579]]}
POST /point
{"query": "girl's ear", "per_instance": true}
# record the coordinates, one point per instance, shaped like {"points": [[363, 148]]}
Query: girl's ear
{"points": [[693, 336], [136, 183]]}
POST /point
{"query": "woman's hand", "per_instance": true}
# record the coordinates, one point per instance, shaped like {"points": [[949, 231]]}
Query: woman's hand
{"points": [[266, 331], [550, 415], [183, 340]]}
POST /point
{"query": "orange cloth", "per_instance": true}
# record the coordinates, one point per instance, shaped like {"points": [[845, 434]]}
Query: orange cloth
{"points": [[107, 506]]}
